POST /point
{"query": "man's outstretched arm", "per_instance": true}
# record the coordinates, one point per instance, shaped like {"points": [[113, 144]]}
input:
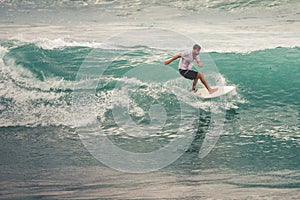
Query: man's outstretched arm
{"points": [[172, 59]]}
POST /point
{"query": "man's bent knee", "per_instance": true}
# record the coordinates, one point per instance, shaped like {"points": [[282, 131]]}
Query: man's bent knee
{"points": [[199, 75]]}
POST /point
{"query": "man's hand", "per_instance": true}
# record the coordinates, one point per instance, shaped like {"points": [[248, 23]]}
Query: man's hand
{"points": [[200, 64], [167, 62]]}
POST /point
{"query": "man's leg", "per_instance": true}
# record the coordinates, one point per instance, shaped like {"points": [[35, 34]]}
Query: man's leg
{"points": [[203, 80], [194, 84]]}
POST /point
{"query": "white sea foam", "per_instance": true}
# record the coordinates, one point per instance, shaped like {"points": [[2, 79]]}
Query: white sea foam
{"points": [[46, 43], [31, 102]]}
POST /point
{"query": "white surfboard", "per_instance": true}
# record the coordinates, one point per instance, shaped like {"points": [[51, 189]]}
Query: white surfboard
{"points": [[222, 90]]}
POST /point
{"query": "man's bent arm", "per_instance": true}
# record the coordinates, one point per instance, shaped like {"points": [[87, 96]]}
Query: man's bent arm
{"points": [[172, 59]]}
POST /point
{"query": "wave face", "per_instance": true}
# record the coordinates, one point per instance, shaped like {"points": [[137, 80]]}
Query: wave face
{"points": [[38, 84]]}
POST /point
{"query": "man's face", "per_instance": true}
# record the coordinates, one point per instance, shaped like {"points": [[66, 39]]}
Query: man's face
{"points": [[196, 52]]}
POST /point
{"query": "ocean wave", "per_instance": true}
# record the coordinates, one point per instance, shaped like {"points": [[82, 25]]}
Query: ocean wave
{"points": [[23, 103], [29, 100], [267, 24], [139, 4], [58, 43]]}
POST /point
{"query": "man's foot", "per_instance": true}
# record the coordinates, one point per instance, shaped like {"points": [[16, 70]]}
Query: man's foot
{"points": [[195, 89], [212, 90]]}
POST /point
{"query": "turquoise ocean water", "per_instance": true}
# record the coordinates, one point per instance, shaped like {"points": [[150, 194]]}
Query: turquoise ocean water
{"points": [[45, 46]]}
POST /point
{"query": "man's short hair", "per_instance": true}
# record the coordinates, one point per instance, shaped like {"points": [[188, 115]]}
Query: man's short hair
{"points": [[196, 46]]}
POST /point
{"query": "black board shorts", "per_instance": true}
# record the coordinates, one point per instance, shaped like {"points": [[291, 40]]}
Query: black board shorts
{"points": [[189, 74]]}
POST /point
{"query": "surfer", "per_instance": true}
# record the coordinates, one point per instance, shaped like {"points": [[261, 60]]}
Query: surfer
{"points": [[185, 67]]}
